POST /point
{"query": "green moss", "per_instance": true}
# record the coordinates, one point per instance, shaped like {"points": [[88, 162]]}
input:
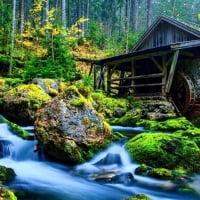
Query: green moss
{"points": [[6, 174], [73, 153], [161, 173], [86, 121], [138, 197], [107, 105], [78, 99], [107, 128], [143, 170], [129, 119], [79, 102], [148, 124], [30, 93], [162, 150], [2, 83], [18, 130], [180, 123], [176, 124], [6, 194], [49, 83]]}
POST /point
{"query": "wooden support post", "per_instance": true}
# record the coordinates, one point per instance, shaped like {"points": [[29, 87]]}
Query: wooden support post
{"points": [[164, 64], [132, 74], [102, 77], [91, 68], [95, 77], [172, 71], [108, 80]]}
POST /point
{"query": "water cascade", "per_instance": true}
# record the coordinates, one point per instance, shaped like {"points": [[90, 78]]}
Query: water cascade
{"points": [[108, 176]]}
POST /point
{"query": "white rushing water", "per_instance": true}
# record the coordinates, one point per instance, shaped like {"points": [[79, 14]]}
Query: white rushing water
{"points": [[108, 176]]}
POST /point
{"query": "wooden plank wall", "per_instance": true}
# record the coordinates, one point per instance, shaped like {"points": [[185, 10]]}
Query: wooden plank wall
{"points": [[164, 35]]}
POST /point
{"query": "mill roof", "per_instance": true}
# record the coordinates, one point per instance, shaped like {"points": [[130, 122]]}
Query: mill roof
{"points": [[166, 33]]}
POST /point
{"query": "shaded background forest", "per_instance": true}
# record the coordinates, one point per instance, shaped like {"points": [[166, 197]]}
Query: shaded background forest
{"points": [[45, 36]]}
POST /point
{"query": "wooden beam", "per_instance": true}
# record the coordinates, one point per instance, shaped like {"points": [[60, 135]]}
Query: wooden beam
{"points": [[132, 72], [91, 68], [172, 71], [139, 77], [139, 57], [137, 86], [164, 79], [95, 77]]}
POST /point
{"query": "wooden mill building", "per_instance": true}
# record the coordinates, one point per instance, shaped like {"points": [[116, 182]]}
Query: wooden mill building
{"points": [[161, 63]]}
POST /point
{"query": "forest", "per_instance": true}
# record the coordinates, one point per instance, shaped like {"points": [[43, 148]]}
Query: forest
{"points": [[42, 37], [63, 138]]}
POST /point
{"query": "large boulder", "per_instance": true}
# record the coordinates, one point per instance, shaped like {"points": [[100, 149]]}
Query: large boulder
{"points": [[69, 128], [20, 103], [167, 150]]}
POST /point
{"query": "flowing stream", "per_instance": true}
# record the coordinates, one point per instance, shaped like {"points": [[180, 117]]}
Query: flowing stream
{"points": [[108, 176]]}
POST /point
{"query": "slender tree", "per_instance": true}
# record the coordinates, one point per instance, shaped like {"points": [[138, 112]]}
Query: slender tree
{"points": [[12, 36], [149, 12], [127, 19], [22, 7], [64, 15], [135, 14]]}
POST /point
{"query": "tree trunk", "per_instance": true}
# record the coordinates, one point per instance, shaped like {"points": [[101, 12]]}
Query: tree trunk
{"points": [[127, 18], [64, 14], [135, 14], [149, 12], [21, 16], [87, 12], [47, 12], [12, 36]]}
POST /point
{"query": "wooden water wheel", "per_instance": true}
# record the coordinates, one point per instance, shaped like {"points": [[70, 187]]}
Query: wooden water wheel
{"points": [[183, 93]]}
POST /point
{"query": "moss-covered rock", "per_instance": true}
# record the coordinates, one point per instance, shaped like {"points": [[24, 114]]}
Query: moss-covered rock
{"points": [[129, 119], [180, 123], [108, 105], [70, 129], [142, 170], [178, 175], [50, 86], [6, 174], [138, 197], [18, 130], [161, 173], [162, 150], [6, 194], [20, 103]]}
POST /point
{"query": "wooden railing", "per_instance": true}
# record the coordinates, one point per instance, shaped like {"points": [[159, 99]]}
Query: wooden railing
{"points": [[116, 83]]}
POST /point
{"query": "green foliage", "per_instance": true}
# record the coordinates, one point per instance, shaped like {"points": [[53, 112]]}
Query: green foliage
{"points": [[132, 38], [58, 64], [198, 16], [95, 33], [87, 80]]}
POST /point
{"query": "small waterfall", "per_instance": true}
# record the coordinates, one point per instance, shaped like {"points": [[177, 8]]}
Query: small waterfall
{"points": [[112, 165], [109, 175], [6, 148], [14, 146]]}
